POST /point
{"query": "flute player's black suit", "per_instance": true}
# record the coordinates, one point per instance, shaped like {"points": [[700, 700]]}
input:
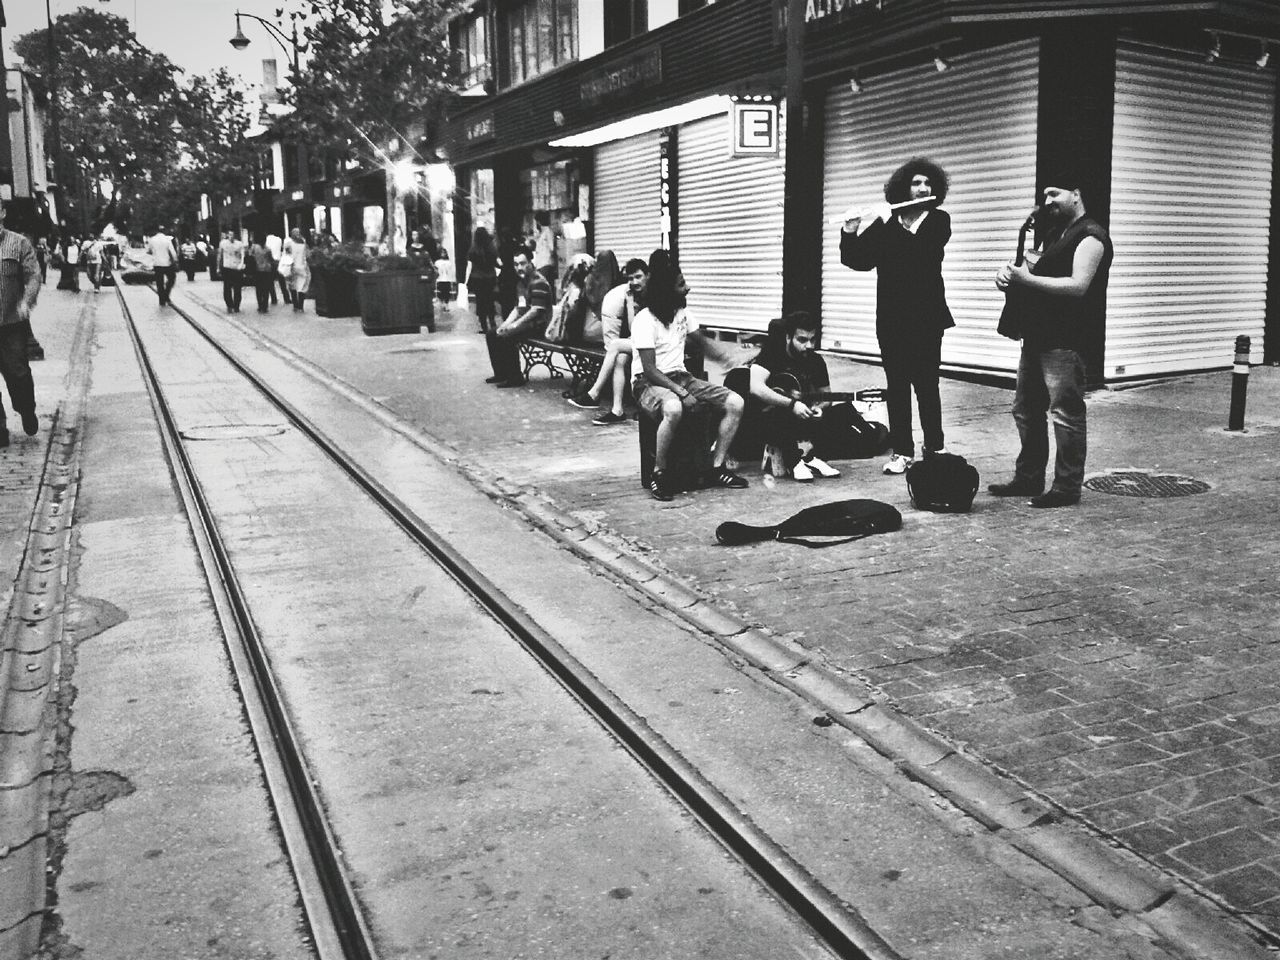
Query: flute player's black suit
{"points": [[911, 316]]}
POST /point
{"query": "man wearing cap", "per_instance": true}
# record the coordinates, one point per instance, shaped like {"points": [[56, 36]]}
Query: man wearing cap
{"points": [[1063, 298], [19, 287]]}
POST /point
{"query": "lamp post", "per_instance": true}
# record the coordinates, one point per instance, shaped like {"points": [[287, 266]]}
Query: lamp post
{"points": [[289, 44]]}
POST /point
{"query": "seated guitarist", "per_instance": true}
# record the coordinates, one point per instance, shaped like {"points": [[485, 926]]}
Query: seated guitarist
{"points": [[788, 380]]}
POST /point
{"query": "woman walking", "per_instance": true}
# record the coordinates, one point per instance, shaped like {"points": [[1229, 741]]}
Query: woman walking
{"points": [[295, 251], [482, 277], [905, 247]]}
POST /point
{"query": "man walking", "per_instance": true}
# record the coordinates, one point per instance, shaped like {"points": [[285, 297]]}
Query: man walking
{"points": [[164, 257], [275, 246], [19, 289], [230, 262], [1061, 301]]}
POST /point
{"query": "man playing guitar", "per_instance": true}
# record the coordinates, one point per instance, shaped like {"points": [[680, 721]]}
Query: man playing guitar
{"points": [[789, 384]]}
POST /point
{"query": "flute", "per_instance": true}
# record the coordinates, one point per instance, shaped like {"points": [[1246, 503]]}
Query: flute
{"points": [[904, 205]]}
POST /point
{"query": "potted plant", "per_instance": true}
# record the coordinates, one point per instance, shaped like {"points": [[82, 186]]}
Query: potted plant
{"points": [[397, 295], [334, 285]]}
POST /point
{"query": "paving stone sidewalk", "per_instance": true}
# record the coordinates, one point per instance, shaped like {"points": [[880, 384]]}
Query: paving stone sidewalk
{"points": [[1118, 657]]}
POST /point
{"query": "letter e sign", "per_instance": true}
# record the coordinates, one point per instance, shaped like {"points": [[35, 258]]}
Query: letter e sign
{"points": [[755, 129]]}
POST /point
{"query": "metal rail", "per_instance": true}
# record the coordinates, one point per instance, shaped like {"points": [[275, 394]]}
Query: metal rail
{"points": [[836, 923], [334, 920]]}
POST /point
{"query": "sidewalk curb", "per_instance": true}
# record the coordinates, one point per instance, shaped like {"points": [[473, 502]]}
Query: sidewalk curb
{"points": [[1182, 921]]}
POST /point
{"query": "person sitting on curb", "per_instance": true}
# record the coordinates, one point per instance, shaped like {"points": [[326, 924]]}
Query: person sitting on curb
{"points": [[664, 389], [527, 319], [617, 311], [787, 420]]}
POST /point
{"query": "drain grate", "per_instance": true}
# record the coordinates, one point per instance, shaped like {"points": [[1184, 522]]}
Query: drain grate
{"points": [[1137, 483]]}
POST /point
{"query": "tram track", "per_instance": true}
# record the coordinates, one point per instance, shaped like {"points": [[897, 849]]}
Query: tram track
{"points": [[327, 892]]}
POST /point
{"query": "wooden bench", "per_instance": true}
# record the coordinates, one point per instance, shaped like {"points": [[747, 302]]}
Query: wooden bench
{"points": [[582, 361]]}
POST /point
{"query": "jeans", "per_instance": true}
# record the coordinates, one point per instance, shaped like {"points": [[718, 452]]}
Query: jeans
{"points": [[231, 282], [1051, 382], [164, 282], [914, 365], [15, 370]]}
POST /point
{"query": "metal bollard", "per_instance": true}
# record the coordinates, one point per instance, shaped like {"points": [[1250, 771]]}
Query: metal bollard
{"points": [[1239, 385]]}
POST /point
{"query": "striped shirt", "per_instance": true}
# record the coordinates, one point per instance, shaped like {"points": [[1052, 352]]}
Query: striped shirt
{"points": [[19, 275]]}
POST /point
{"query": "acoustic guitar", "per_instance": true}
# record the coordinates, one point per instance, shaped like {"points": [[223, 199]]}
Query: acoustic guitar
{"points": [[1013, 317], [739, 381]]}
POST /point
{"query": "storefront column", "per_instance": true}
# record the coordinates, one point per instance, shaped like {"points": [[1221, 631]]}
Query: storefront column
{"points": [[803, 231], [1271, 335]]}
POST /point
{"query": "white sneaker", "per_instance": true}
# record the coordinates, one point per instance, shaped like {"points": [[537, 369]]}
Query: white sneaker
{"points": [[897, 464], [802, 473], [822, 468]]}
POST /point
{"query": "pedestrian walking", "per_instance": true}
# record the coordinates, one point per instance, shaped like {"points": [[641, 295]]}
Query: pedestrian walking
{"points": [[230, 261], [275, 246], [19, 289], [70, 279], [1055, 304], [93, 257], [482, 278], [164, 259], [260, 268], [187, 259], [295, 252], [905, 247]]}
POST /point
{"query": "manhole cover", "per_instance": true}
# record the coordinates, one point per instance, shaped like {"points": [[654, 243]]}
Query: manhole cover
{"points": [[1136, 483], [233, 431]]}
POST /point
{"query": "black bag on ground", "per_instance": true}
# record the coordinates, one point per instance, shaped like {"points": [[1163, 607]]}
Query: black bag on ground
{"points": [[943, 483], [844, 520], [844, 434]]}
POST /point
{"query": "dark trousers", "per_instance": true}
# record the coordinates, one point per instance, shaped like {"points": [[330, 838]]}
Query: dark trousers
{"points": [[165, 277], [1051, 385], [484, 291], [284, 290], [264, 286], [189, 267], [504, 357], [15, 370], [909, 366], [231, 280]]}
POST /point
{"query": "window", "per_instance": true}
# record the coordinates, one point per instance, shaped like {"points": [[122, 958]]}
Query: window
{"points": [[471, 47], [265, 172], [542, 34], [624, 19]]}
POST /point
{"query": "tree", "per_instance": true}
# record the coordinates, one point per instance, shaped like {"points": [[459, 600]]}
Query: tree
{"points": [[372, 82], [135, 135]]}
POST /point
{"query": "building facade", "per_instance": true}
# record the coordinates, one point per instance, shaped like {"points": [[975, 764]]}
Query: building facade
{"points": [[676, 134]]}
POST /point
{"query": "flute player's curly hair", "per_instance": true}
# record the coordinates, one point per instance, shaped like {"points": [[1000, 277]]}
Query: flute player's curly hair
{"points": [[898, 187]]}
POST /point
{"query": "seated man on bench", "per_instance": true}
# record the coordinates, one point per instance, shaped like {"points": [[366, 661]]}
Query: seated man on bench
{"points": [[788, 381], [528, 319], [664, 389]]}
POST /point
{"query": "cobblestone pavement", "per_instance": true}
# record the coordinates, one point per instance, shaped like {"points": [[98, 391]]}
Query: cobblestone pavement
{"points": [[1118, 657]]}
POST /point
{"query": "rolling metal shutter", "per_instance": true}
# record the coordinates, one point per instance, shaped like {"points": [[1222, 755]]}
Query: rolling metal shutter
{"points": [[978, 120], [626, 205], [1190, 202], [728, 228]]}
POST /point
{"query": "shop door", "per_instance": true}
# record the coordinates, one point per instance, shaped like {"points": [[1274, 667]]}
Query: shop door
{"points": [[1190, 205], [728, 228], [626, 205], [978, 120]]}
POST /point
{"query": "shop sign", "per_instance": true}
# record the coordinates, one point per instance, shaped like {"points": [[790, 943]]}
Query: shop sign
{"points": [[819, 9], [481, 128], [624, 77], [666, 195], [755, 129]]}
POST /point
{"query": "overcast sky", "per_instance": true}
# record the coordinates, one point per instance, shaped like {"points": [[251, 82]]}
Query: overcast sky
{"points": [[191, 33]]}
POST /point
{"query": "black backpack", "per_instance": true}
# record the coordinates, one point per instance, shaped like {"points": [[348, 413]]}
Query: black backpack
{"points": [[943, 483], [843, 519]]}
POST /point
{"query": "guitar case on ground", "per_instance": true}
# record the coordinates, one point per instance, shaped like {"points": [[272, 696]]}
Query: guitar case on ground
{"points": [[841, 520]]}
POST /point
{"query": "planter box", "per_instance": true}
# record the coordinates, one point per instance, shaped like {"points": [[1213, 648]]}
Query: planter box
{"points": [[335, 293], [396, 301]]}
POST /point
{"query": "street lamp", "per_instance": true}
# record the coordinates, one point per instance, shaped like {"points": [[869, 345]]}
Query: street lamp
{"points": [[288, 44]]}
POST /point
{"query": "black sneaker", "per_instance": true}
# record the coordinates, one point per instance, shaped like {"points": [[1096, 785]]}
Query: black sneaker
{"points": [[1016, 487], [720, 477], [608, 419], [583, 401], [4, 438], [658, 487], [1055, 498], [30, 423]]}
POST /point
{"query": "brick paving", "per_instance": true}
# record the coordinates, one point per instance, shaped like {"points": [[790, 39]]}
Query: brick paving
{"points": [[1119, 657]]}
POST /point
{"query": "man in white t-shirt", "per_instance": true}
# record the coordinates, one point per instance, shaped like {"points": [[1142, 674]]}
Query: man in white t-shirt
{"points": [[164, 258], [275, 244], [665, 390]]}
